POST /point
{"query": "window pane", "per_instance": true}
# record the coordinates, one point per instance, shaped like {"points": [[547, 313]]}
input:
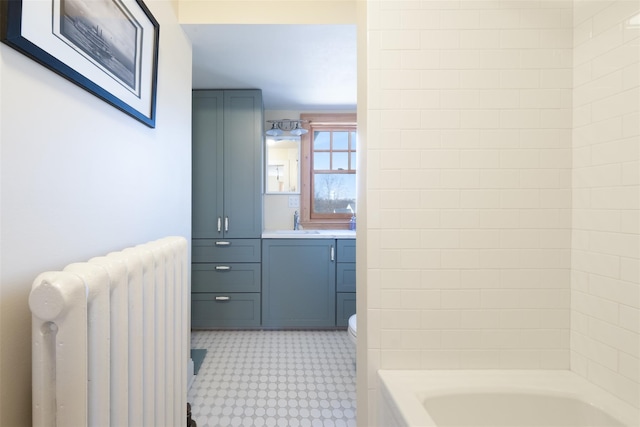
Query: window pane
{"points": [[340, 161], [354, 141], [341, 140], [321, 140], [334, 193], [321, 161], [353, 161]]}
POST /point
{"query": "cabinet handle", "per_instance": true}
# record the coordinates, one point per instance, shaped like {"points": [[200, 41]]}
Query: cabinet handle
{"points": [[219, 224], [226, 223], [223, 243], [332, 254], [223, 267], [223, 298]]}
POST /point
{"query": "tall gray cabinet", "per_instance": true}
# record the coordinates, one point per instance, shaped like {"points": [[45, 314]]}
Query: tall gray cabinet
{"points": [[226, 207]]}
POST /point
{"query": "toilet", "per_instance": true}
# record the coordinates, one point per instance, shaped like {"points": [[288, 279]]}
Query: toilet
{"points": [[352, 331]]}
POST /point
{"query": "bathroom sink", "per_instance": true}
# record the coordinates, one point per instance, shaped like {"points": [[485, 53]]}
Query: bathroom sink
{"points": [[318, 234], [338, 233], [296, 232]]}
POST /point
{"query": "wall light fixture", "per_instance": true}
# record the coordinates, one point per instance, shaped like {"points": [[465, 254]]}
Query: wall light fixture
{"points": [[294, 127]]}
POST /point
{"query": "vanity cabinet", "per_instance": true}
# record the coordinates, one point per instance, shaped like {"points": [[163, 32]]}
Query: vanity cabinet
{"points": [[345, 281], [226, 208], [298, 283]]}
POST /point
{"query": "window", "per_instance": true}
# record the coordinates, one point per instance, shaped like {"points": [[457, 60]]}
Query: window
{"points": [[328, 181]]}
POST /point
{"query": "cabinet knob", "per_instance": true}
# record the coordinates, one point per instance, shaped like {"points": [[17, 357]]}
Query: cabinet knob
{"points": [[223, 267], [219, 224], [223, 243], [223, 298]]}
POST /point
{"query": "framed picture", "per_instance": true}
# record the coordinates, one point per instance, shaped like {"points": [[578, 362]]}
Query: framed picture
{"points": [[108, 47]]}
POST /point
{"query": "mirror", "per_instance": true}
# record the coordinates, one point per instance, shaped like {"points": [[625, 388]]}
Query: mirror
{"points": [[283, 164]]}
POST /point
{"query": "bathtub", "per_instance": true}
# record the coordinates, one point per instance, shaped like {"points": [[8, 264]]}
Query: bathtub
{"points": [[497, 399]]}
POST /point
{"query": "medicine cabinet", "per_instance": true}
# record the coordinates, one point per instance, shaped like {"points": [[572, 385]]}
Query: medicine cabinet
{"points": [[282, 164]]}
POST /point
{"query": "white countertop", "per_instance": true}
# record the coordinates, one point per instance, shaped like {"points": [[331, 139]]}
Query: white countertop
{"points": [[309, 234]]}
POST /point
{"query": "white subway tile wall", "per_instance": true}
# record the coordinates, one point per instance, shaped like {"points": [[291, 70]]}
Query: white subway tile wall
{"points": [[469, 184], [605, 287], [493, 128]]}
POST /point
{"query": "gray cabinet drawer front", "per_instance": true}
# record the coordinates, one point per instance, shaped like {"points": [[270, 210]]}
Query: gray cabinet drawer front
{"points": [[346, 250], [220, 310], [229, 277], [225, 250], [345, 307], [346, 277]]}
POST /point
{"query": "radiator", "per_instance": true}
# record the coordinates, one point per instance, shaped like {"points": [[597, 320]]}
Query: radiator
{"points": [[110, 339]]}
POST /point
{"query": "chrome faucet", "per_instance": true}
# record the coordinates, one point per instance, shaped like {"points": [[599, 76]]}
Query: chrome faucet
{"points": [[296, 221]]}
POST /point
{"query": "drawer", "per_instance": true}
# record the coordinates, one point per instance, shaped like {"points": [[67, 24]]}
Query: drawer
{"points": [[346, 250], [229, 277], [346, 277], [225, 250], [225, 310], [345, 307]]}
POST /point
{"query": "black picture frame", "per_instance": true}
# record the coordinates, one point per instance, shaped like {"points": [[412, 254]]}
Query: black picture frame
{"points": [[107, 47]]}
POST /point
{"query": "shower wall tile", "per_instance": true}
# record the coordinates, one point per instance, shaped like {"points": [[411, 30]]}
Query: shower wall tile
{"points": [[605, 336], [469, 175]]}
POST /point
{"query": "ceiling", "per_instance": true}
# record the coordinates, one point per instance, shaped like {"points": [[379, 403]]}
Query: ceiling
{"points": [[298, 67]]}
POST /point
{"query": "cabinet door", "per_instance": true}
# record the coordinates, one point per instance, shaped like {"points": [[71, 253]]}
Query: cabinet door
{"points": [[298, 283], [242, 163], [207, 163]]}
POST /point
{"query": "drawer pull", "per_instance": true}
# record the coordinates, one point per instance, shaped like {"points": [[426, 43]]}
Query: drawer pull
{"points": [[223, 298], [223, 267], [223, 243]]}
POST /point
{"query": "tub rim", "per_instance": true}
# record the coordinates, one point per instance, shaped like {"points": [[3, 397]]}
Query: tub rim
{"points": [[407, 389]]}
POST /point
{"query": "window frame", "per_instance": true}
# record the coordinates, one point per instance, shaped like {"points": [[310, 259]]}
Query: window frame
{"points": [[321, 122]]}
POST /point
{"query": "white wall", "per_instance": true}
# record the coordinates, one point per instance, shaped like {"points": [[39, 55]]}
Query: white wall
{"points": [[605, 277], [469, 185], [267, 11], [79, 178]]}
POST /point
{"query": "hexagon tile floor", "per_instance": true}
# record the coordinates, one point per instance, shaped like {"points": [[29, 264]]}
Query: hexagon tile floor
{"points": [[274, 378]]}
